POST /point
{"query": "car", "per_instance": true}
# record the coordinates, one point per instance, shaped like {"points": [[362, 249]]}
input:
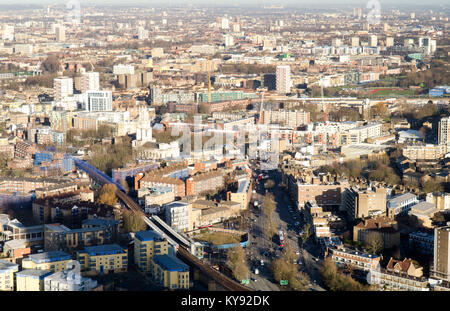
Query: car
{"points": [[254, 280], [297, 253]]}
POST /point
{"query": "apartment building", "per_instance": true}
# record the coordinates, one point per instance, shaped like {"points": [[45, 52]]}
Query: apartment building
{"points": [[146, 245], [103, 259], [360, 134], [364, 203], [357, 259], [423, 213], [243, 194], [204, 182], [156, 196], [7, 270], [383, 226], [401, 204], [65, 282], [427, 152], [441, 258], [170, 272], [177, 215], [324, 194], [62, 88], [421, 242], [283, 79], [289, 118], [98, 100], [55, 261], [31, 280], [90, 81], [93, 232], [177, 185], [318, 219], [444, 131], [399, 275]]}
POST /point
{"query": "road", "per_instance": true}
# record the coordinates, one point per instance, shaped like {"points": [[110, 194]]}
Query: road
{"points": [[259, 243]]}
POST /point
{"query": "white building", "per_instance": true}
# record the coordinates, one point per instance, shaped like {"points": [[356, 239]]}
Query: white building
{"points": [[283, 79], [355, 41], [69, 280], [389, 41], [360, 134], [7, 270], [123, 69], [142, 33], [90, 81], [401, 204], [225, 23], [373, 40], [98, 101], [228, 40], [8, 32], [177, 215], [63, 88]]}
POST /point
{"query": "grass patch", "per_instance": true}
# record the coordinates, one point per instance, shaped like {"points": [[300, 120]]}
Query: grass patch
{"points": [[218, 238]]}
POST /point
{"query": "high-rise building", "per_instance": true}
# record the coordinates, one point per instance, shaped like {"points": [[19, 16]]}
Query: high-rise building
{"points": [[441, 259], [60, 33], [373, 40], [99, 100], [228, 40], [359, 13], [8, 32], [90, 81], [63, 88], [142, 33], [123, 69], [283, 74], [355, 41], [412, 15], [225, 23], [336, 42], [389, 41], [444, 131]]}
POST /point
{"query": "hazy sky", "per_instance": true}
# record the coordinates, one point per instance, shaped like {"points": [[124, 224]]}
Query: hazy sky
{"points": [[361, 3]]}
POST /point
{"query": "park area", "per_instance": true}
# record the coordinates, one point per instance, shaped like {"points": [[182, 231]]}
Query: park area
{"points": [[217, 238], [392, 92]]}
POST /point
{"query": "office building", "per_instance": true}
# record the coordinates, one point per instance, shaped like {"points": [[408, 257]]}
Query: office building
{"points": [[283, 79]]}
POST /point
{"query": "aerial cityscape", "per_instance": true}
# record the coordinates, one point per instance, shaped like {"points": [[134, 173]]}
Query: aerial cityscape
{"points": [[194, 147]]}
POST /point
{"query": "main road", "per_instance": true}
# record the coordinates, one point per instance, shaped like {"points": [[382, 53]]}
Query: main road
{"points": [[260, 246]]}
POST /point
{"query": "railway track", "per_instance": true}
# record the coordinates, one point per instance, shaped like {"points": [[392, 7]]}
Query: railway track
{"points": [[182, 252]]}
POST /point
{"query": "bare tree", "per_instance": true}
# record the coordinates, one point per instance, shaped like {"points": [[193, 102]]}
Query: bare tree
{"points": [[374, 243]]}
